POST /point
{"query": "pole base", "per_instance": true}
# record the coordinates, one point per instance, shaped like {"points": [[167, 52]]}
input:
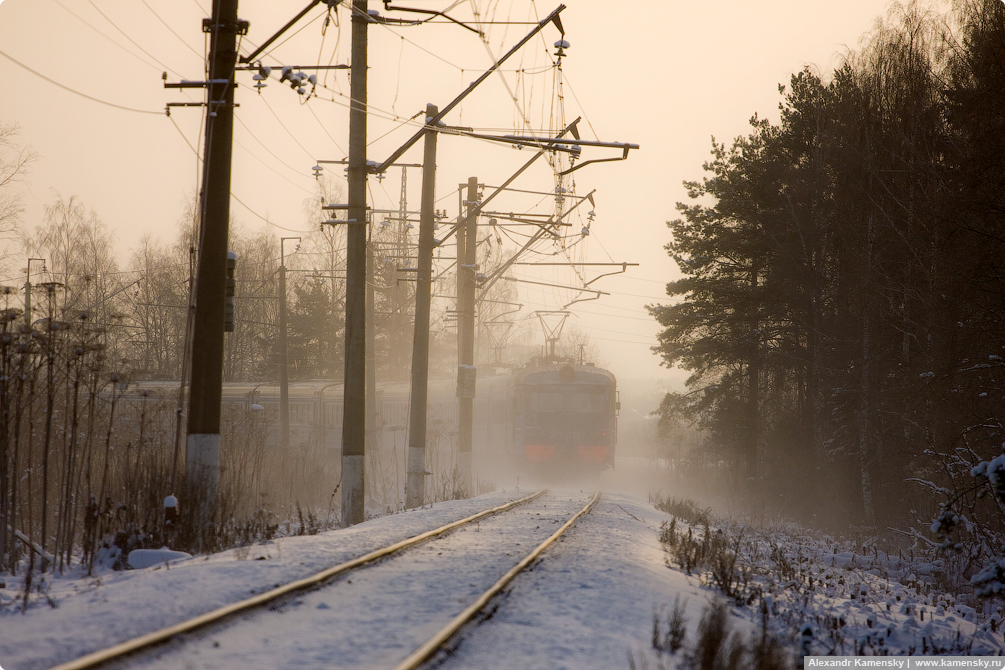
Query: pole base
{"points": [[415, 495], [202, 476], [464, 479], [353, 494]]}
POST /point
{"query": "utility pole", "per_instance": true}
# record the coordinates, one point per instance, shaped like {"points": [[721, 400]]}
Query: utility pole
{"points": [[416, 467], [467, 271], [371, 354], [284, 351], [50, 393], [27, 291], [203, 443], [399, 318], [354, 396]]}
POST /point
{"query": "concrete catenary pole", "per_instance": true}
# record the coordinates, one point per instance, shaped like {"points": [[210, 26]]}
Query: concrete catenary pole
{"points": [[284, 349], [27, 292], [354, 397], [416, 467], [467, 272], [284, 372], [203, 442], [371, 354]]}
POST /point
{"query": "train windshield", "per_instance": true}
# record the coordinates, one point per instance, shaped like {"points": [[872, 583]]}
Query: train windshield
{"points": [[547, 399], [564, 399], [588, 399]]}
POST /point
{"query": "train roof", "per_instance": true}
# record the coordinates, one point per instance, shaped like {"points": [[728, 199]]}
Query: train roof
{"points": [[565, 373]]}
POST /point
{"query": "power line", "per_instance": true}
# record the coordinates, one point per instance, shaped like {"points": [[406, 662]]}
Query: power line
{"points": [[420, 48], [75, 92], [185, 138], [271, 153], [292, 136], [275, 225], [621, 341], [270, 168], [292, 35], [311, 110]]}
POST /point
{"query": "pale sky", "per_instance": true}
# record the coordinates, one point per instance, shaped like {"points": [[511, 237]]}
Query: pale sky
{"points": [[665, 75]]}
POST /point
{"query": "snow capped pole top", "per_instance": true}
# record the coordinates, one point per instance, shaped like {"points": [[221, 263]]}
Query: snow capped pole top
{"points": [[170, 501]]}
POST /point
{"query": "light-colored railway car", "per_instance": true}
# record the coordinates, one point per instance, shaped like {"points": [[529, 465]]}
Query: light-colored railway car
{"points": [[546, 413]]}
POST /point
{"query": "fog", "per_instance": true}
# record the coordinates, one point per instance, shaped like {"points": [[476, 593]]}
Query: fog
{"points": [[842, 322]]}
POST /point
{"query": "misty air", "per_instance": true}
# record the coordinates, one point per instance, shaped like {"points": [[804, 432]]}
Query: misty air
{"points": [[429, 334]]}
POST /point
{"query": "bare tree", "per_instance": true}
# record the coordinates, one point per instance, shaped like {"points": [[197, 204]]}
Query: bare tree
{"points": [[159, 308], [256, 305], [578, 346], [78, 247], [15, 163]]}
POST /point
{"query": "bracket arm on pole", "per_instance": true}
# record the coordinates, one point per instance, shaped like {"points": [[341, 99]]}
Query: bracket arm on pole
{"points": [[456, 101], [265, 45]]}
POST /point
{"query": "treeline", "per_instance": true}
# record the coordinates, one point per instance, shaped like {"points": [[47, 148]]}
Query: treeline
{"points": [[843, 293], [141, 305]]}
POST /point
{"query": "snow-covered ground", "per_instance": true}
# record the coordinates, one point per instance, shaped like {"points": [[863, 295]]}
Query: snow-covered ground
{"points": [[588, 603], [838, 598], [611, 562]]}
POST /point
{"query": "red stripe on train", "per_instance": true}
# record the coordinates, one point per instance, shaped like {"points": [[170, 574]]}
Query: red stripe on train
{"points": [[539, 453]]}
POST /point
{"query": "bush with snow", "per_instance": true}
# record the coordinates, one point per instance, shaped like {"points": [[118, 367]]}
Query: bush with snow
{"points": [[837, 596]]}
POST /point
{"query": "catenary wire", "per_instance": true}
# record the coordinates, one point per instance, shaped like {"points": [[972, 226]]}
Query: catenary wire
{"points": [[291, 35], [131, 40], [325, 130], [166, 25], [274, 225], [232, 195], [95, 29], [272, 169]]}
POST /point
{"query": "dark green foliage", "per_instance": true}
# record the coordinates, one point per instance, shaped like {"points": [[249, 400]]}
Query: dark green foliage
{"points": [[315, 324], [843, 292]]}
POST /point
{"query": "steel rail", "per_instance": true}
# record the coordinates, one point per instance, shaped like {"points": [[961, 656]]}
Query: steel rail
{"points": [[420, 655], [98, 658]]}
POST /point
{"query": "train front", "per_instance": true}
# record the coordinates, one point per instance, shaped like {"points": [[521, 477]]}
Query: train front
{"points": [[566, 417]]}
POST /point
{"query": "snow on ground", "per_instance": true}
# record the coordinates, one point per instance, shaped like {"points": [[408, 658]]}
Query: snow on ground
{"points": [[94, 613], [860, 601], [606, 576], [588, 602], [612, 560]]}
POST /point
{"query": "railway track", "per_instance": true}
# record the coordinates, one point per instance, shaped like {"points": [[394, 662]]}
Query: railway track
{"points": [[394, 613]]}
